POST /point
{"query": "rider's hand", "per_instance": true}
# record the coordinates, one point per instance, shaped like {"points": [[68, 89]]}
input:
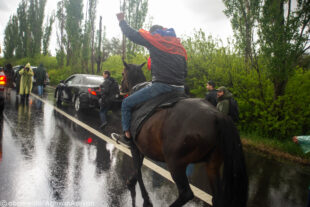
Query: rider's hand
{"points": [[120, 16]]}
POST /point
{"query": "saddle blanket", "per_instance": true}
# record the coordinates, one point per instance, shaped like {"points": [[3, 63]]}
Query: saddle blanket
{"points": [[144, 111]]}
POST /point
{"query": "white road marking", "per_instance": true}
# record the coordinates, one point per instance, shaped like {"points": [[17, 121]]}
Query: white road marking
{"points": [[163, 172]]}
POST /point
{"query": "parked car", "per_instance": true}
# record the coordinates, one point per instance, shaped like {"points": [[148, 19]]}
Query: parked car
{"points": [[81, 90]]}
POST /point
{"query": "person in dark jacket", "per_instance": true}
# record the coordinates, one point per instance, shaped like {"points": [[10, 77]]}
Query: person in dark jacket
{"points": [[211, 96], [9, 73], [40, 77], [168, 68], [109, 92], [223, 96]]}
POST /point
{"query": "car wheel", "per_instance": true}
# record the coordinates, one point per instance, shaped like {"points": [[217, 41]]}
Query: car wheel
{"points": [[58, 98], [77, 104]]}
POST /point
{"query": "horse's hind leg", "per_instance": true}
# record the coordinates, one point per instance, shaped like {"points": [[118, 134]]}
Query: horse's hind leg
{"points": [[213, 166], [138, 160], [185, 193]]}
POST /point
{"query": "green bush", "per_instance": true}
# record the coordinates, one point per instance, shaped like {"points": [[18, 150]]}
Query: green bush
{"points": [[49, 62]]}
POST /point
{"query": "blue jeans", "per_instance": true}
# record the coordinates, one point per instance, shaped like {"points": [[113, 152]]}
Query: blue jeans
{"points": [[103, 113], [150, 91], [40, 90]]}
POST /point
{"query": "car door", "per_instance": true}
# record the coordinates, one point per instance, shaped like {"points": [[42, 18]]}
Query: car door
{"points": [[68, 90]]}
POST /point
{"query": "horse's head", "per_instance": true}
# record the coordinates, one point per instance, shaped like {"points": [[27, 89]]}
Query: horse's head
{"points": [[132, 75]]}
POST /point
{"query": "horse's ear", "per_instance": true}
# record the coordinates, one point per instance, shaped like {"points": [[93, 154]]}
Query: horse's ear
{"points": [[141, 66], [124, 63]]}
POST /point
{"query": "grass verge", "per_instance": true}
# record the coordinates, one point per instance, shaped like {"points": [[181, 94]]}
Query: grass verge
{"points": [[285, 150]]}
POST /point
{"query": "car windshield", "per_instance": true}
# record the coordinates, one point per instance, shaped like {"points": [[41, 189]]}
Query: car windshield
{"points": [[93, 80]]}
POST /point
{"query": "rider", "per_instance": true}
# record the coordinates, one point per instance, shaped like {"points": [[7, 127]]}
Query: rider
{"points": [[168, 68]]}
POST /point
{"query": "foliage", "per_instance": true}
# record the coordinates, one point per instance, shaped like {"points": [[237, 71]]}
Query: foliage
{"points": [[56, 75], [207, 60], [35, 21], [11, 37], [244, 16], [135, 14], [284, 37], [24, 31], [60, 31], [73, 29], [48, 61], [47, 34]]}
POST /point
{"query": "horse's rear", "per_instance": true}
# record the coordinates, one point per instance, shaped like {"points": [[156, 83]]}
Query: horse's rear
{"points": [[194, 131]]}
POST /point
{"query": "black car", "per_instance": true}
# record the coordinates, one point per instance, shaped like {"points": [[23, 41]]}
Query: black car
{"points": [[80, 89]]}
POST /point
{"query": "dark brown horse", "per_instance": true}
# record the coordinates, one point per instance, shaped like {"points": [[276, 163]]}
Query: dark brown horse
{"points": [[191, 131]]}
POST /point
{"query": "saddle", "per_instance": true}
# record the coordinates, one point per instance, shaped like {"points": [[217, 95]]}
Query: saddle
{"points": [[142, 112]]}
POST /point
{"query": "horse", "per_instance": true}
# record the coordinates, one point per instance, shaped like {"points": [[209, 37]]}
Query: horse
{"points": [[191, 131]]}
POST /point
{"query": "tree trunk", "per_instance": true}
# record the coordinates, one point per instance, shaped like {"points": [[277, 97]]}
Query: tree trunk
{"points": [[99, 47]]}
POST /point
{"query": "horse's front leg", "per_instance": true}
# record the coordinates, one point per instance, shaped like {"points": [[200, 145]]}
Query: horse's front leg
{"points": [[178, 174], [138, 160]]}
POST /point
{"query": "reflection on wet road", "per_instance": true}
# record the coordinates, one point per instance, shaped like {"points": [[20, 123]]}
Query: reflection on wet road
{"points": [[46, 157]]}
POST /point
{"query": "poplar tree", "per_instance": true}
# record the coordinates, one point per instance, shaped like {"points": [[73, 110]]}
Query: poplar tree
{"points": [[35, 21], [11, 37], [23, 33], [284, 37], [60, 32], [89, 36], [47, 33], [243, 16], [74, 16], [135, 15]]}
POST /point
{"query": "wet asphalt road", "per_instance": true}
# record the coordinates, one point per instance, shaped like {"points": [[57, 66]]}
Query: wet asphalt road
{"points": [[47, 160]]}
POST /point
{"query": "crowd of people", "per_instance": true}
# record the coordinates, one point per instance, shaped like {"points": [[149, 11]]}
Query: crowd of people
{"points": [[22, 80]]}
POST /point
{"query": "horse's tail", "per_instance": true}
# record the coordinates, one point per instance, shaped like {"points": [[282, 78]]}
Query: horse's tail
{"points": [[233, 189]]}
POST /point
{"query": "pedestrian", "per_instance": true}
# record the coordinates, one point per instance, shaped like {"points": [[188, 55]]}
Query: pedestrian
{"points": [[304, 143], [9, 73], [168, 68], [26, 75], [227, 104], [223, 96], [211, 95], [109, 93], [40, 77]]}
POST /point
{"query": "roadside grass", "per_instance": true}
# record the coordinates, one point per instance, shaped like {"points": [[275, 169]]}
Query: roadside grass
{"points": [[280, 149]]}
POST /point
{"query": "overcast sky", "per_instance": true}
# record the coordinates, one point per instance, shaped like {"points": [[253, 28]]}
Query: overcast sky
{"points": [[183, 15]]}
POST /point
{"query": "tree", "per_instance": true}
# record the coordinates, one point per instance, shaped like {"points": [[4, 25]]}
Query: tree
{"points": [[244, 14], [23, 33], [98, 48], [92, 17], [284, 38], [11, 37], [35, 22], [88, 38], [135, 14], [47, 33], [60, 32], [73, 30]]}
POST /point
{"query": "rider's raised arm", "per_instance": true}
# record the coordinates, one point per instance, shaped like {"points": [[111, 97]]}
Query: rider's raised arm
{"points": [[132, 34]]}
